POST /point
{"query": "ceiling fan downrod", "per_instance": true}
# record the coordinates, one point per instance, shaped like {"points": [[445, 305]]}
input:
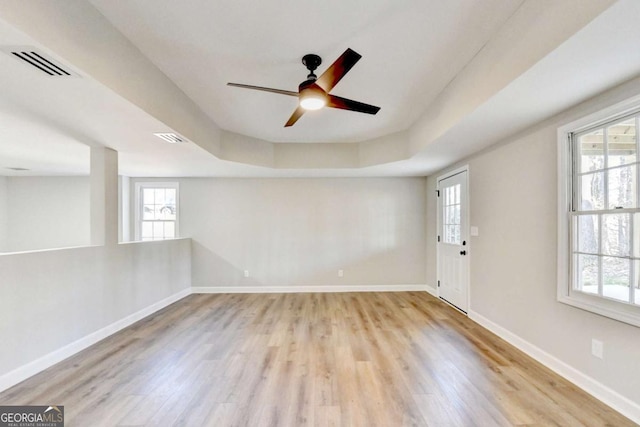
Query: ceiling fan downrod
{"points": [[312, 62]]}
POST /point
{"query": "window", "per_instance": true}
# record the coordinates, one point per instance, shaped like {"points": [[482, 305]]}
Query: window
{"points": [[600, 218], [156, 211], [451, 214]]}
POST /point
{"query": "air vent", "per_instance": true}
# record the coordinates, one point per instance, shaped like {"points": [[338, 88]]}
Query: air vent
{"points": [[171, 138], [18, 169], [39, 61]]}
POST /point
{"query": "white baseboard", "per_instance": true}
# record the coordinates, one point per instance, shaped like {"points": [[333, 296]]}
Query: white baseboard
{"points": [[433, 291], [625, 406], [23, 372], [304, 289]]}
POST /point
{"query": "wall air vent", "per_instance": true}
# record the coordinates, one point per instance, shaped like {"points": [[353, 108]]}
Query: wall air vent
{"points": [[39, 61], [171, 138]]}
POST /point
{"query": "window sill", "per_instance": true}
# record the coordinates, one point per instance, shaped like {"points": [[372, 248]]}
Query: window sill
{"points": [[619, 311], [153, 241]]}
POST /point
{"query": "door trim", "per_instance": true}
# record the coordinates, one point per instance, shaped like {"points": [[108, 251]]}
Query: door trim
{"points": [[446, 175]]}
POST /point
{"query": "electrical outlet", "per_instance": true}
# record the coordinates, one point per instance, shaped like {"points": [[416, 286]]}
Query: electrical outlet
{"points": [[340, 273], [246, 273], [597, 348]]}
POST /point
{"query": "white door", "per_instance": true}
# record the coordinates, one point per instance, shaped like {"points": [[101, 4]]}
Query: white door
{"points": [[453, 240]]}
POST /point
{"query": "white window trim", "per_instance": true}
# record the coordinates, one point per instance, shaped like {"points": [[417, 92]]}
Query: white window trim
{"points": [[138, 205], [621, 311]]}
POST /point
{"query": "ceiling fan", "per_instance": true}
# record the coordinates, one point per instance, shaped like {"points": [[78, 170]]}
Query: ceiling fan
{"points": [[313, 93]]}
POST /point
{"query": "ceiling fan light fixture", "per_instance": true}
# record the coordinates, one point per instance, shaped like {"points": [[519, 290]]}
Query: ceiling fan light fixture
{"points": [[313, 93], [311, 103], [312, 98]]}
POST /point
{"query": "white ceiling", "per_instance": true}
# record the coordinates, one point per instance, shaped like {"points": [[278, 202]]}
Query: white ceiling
{"points": [[47, 126], [411, 49]]}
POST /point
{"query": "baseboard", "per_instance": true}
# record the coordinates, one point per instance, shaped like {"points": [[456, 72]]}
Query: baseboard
{"points": [[23, 372], [304, 289], [598, 390], [433, 291], [32, 368]]}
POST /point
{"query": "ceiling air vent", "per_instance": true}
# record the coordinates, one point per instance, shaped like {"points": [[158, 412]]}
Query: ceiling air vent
{"points": [[39, 61], [171, 138]]}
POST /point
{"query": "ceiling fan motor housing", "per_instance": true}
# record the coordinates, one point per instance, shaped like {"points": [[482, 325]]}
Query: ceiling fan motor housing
{"points": [[312, 62], [309, 84]]}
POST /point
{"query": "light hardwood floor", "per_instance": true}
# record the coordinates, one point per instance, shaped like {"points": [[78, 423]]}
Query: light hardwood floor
{"points": [[348, 359]]}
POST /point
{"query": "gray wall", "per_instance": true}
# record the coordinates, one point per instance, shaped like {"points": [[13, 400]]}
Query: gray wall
{"points": [[513, 196], [45, 212], [3, 213], [290, 232], [51, 299]]}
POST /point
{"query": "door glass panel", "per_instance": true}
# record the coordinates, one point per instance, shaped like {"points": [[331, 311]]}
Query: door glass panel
{"points": [[451, 214]]}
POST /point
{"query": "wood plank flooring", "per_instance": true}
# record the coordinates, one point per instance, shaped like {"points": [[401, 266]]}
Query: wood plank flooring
{"points": [[348, 359]]}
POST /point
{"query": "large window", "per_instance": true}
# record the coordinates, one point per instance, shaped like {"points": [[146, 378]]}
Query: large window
{"points": [[156, 211], [602, 217]]}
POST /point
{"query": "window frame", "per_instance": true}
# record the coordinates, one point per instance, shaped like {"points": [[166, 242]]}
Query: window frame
{"points": [[567, 162], [139, 186]]}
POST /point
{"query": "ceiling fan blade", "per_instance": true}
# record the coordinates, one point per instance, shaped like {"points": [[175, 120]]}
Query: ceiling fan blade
{"points": [[348, 104], [338, 69], [295, 116], [264, 89]]}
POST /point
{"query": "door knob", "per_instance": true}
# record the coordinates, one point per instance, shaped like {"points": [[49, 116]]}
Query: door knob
{"points": [[463, 252]]}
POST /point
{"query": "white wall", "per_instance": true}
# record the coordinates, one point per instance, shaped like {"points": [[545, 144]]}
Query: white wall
{"points": [[124, 209], [51, 299], [47, 212], [3, 213], [513, 195], [299, 232], [54, 303]]}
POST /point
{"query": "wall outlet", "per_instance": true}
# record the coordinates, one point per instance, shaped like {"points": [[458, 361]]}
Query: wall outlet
{"points": [[597, 348], [246, 273], [340, 273]]}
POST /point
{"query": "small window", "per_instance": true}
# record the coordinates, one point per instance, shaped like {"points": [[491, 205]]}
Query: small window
{"points": [[602, 231], [156, 211], [451, 214]]}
